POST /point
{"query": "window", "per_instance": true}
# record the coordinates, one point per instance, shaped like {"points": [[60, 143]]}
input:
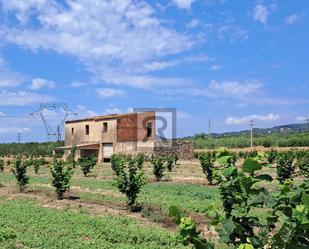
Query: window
{"points": [[87, 129], [72, 131], [105, 127], [149, 130]]}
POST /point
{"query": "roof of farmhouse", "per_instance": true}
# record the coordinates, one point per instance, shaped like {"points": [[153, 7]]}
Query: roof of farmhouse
{"points": [[102, 117]]}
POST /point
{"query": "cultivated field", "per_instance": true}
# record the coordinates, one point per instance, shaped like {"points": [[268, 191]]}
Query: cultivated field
{"points": [[94, 213]]}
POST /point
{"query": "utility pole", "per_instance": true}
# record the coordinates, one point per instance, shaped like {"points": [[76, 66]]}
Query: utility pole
{"points": [[251, 137], [19, 137], [209, 125], [307, 121]]}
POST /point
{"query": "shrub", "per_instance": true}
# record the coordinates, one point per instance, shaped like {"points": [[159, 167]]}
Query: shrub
{"points": [[117, 163], [130, 181], [158, 167], [61, 176], [170, 160], [87, 164], [1, 165], [20, 173], [188, 234], [303, 165], [140, 160], [285, 166], [271, 156], [207, 162]]}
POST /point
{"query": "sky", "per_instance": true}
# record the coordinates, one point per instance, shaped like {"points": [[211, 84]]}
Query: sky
{"points": [[233, 61]]}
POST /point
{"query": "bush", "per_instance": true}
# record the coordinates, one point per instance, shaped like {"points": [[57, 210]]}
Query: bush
{"points": [[285, 166], [170, 160], [271, 156], [61, 176], [1, 165], [140, 160], [158, 167], [303, 164], [207, 160], [87, 164], [117, 163], [130, 181], [20, 173]]}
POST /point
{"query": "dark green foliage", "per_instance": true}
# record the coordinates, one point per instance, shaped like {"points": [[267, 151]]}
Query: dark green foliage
{"points": [[188, 234], [207, 160], [176, 159], [61, 176], [1, 165], [20, 173], [293, 202], [240, 196], [87, 164], [117, 163], [130, 181], [243, 140], [302, 163], [158, 167], [285, 166], [271, 156], [140, 160], [72, 156], [26, 149], [170, 160]]}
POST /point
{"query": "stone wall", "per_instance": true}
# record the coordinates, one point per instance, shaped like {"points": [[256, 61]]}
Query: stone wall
{"points": [[183, 149]]}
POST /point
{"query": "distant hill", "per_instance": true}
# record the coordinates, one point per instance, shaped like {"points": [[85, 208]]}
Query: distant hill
{"points": [[289, 128]]}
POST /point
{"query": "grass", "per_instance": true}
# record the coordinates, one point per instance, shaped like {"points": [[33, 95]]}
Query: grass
{"points": [[25, 224]]}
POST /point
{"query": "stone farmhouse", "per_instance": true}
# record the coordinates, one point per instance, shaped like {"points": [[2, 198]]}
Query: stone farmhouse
{"points": [[105, 135]]}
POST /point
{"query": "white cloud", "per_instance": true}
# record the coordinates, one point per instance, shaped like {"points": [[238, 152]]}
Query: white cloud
{"points": [[84, 112], [117, 42], [214, 67], [8, 78], [291, 19], [77, 84], [113, 110], [246, 119], [260, 13], [193, 23], [183, 4], [14, 130], [233, 89], [22, 98], [301, 119], [39, 83], [110, 92]]}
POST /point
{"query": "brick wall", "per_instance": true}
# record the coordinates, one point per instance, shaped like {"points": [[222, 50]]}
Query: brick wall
{"points": [[131, 127]]}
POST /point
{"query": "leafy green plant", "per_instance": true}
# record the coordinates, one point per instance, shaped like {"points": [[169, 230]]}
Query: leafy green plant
{"points": [[293, 203], [170, 163], [207, 161], [20, 173], [242, 197], [140, 160], [271, 156], [61, 176], [188, 234], [302, 163], [72, 156], [285, 166], [158, 167], [1, 165], [87, 164], [130, 181], [117, 163]]}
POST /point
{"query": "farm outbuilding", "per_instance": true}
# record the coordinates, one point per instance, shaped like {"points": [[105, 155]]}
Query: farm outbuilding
{"points": [[103, 136]]}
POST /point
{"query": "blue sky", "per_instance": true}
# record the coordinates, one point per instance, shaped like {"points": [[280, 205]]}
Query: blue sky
{"points": [[231, 60]]}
